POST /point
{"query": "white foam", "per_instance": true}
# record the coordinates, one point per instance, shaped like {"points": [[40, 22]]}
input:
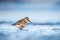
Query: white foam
{"points": [[43, 29]]}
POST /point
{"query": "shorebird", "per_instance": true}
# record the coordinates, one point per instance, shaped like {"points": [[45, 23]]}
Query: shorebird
{"points": [[22, 23]]}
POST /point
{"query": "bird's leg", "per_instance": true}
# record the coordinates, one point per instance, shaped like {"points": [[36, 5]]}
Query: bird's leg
{"points": [[21, 27]]}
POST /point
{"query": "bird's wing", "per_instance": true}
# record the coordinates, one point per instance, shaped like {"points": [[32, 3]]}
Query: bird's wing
{"points": [[18, 22]]}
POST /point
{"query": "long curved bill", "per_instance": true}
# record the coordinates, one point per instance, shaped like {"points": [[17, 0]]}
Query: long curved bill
{"points": [[29, 21]]}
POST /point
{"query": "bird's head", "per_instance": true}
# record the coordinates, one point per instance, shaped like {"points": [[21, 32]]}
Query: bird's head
{"points": [[26, 18]]}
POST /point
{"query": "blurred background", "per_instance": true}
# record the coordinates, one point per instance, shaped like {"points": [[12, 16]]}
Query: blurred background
{"points": [[36, 10], [44, 14]]}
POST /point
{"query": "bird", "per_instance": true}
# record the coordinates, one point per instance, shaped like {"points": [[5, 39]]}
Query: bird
{"points": [[22, 23]]}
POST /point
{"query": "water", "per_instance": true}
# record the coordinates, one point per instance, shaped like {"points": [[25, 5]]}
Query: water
{"points": [[30, 32], [45, 21]]}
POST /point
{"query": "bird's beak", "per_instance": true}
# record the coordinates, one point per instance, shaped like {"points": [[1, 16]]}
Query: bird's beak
{"points": [[29, 21]]}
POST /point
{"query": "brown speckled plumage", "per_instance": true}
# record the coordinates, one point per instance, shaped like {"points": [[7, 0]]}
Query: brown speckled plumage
{"points": [[22, 23]]}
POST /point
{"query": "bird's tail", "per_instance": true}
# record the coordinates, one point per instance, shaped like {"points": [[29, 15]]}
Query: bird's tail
{"points": [[13, 24]]}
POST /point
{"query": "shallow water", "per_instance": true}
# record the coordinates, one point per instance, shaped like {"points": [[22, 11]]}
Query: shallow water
{"points": [[30, 32], [45, 21]]}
